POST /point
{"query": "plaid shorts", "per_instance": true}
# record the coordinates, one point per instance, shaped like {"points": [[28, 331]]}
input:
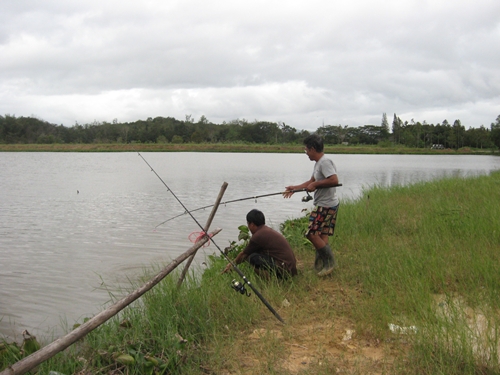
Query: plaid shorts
{"points": [[322, 220]]}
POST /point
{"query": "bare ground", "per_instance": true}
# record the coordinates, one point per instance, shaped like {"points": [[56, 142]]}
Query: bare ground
{"points": [[312, 342]]}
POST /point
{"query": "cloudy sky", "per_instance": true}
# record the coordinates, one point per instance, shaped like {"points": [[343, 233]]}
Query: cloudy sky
{"points": [[305, 63]]}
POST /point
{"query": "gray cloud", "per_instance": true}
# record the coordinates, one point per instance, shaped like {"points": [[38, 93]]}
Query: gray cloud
{"points": [[304, 63]]}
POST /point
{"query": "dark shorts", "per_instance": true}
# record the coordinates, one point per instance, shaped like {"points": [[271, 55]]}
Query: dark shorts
{"points": [[265, 262], [322, 220]]}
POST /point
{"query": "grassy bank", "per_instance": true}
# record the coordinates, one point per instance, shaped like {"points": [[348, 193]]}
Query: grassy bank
{"points": [[227, 147], [416, 292]]}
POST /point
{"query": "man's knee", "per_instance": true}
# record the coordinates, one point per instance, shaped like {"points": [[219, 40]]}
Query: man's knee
{"points": [[259, 260], [253, 259], [312, 236]]}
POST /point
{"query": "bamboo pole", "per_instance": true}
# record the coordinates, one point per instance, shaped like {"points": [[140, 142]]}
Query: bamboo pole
{"points": [[33, 360], [205, 229]]}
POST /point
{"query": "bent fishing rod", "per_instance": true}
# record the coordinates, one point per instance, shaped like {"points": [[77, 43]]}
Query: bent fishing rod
{"points": [[306, 198], [238, 271]]}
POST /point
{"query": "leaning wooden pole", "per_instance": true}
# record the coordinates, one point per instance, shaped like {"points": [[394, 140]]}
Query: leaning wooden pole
{"points": [[205, 229], [33, 360]]}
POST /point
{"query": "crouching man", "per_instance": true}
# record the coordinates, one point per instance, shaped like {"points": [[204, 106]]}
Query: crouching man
{"points": [[268, 251]]}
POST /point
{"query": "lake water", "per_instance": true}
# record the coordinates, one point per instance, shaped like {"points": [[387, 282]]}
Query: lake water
{"points": [[73, 222]]}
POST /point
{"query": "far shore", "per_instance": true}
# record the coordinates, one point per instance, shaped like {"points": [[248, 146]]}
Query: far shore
{"points": [[233, 147]]}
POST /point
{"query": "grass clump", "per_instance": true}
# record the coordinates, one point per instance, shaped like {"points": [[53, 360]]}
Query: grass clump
{"points": [[416, 292]]}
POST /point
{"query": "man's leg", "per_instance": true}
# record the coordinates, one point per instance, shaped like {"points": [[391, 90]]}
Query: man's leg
{"points": [[315, 238], [325, 261], [263, 265], [322, 219], [328, 260]]}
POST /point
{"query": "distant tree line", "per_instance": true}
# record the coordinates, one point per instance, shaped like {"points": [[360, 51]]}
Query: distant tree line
{"points": [[170, 130]]}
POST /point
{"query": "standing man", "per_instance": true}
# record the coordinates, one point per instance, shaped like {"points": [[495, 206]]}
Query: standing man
{"points": [[323, 217], [267, 251]]}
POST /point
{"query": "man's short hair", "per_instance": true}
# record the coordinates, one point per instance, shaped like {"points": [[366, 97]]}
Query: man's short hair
{"points": [[314, 141], [256, 217]]}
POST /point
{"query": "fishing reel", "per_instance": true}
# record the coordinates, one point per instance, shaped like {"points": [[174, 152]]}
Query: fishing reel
{"points": [[307, 198], [239, 287]]}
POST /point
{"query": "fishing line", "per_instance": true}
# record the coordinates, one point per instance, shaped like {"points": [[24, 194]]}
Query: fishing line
{"points": [[306, 198], [261, 297]]}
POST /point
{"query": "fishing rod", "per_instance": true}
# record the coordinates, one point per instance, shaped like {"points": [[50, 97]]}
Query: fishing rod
{"points": [[306, 198], [261, 297]]}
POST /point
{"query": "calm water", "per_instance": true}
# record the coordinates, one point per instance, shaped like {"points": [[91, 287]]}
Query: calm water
{"points": [[72, 222]]}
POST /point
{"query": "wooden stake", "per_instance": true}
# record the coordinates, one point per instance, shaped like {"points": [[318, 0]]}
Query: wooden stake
{"points": [[33, 360], [205, 229]]}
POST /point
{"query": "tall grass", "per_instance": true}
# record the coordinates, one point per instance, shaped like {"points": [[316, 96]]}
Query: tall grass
{"points": [[424, 258], [427, 255]]}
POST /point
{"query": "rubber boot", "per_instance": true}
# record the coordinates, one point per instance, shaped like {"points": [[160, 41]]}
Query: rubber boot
{"points": [[328, 261], [318, 261]]}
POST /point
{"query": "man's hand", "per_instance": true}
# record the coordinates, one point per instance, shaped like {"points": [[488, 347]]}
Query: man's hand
{"points": [[311, 187], [228, 268], [289, 192]]}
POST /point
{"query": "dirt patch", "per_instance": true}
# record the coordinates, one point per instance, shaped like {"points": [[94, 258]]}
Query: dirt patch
{"points": [[313, 345], [335, 345]]}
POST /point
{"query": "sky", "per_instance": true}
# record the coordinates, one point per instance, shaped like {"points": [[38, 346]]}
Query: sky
{"points": [[305, 63]]}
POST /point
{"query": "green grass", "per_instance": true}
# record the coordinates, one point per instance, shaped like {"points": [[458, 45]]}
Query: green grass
{"points": [[231, 147], [424, 256], [428, 255]]}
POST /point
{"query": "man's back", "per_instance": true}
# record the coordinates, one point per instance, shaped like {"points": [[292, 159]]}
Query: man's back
{"points": [[267, 241]]}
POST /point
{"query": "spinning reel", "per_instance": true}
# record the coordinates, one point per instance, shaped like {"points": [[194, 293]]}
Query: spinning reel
{"points": [[307, 198], [239, 287]]}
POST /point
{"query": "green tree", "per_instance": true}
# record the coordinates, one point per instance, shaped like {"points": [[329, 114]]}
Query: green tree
{"points": [[161, 139], [259, 132], [456, 136], [288, 133], [495, 132], [330, 133], [203, 120], [397, 128], [442, 133], [385, 127], [197, 136], [371, 134], [177, 139]]}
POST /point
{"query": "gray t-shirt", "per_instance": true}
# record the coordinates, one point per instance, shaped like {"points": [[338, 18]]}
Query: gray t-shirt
{"points": [[323, 169]]}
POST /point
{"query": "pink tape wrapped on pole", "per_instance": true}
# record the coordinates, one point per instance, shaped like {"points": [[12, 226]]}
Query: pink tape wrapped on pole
{"points": [[195, 237]]}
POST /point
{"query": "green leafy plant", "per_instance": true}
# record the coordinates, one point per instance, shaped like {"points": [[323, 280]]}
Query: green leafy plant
{"points": [[236, 247]]}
